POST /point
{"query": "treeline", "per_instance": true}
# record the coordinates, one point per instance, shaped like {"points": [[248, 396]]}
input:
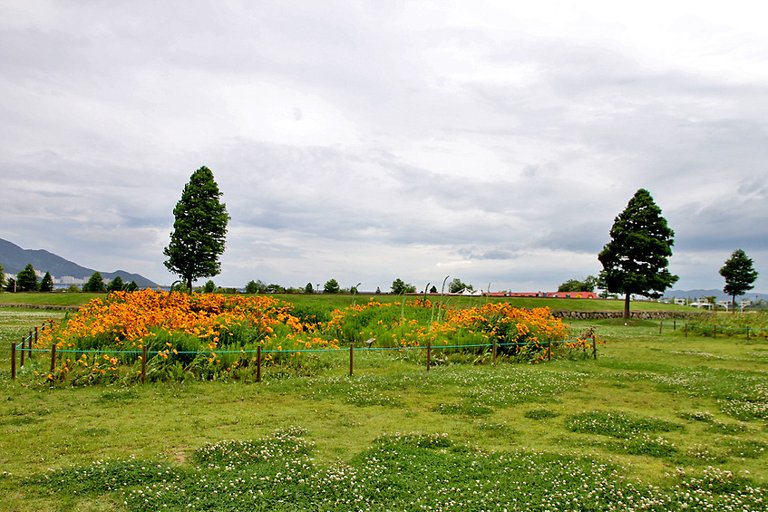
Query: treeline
{"points": [[26, 281]]}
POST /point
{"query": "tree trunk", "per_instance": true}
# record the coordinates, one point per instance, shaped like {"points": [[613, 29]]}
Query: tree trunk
{"points": [[626, 306], [733, 303]]}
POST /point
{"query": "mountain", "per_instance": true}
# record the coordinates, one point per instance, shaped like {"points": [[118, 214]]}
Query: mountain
{"points": [[13, 259], [718, 294]]}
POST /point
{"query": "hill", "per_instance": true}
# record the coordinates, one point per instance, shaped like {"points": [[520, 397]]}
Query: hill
{"points": [[13, 259]]}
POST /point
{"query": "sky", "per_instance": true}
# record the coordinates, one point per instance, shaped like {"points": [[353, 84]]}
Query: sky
{"points": [[365, 141]]}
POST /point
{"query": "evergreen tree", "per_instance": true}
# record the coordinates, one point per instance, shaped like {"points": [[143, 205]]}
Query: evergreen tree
{"points": [[739, 275], [2, 278], [199, 230], [309, 288], [95, 283], [131, 287], [46, 285], [116, 284], [209, 286], [251, 287], [11, 284], [635, 260], [331, 286], [26, 280]]}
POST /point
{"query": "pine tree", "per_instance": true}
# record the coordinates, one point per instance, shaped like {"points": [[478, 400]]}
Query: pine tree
{"points": [[739, 275], [199, 230], [635, 260], [2, 278], [95, 283], [116, 284], [26, 280], [46, 285]]}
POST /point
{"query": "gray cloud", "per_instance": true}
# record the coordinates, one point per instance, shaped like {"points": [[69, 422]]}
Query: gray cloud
{"points": [[372, 141]]}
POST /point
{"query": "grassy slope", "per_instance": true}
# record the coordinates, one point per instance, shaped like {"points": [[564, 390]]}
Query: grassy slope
{"points": [[638, 372]]}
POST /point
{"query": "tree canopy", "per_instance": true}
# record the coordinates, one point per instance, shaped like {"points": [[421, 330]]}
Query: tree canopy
{"points": [[456, 286], [95, 283], [574, 285], [26, 280], [116, 284], [331, 286], [46, 285], [199, 230], [400, 287], [739, 275], [635, 261]]}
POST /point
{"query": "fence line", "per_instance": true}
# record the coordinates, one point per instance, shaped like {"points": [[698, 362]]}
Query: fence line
{"points": [[145, 353]]}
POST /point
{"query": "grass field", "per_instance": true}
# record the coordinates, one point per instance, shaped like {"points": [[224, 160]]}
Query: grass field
{"points": [[658, 422], [325, 301]]}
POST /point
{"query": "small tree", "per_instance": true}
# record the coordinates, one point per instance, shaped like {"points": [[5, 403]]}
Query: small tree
{"points": [[199, 230], [209, 286], [26, 280], [400, 287], [2, 278], [46, 285], [739, 275], [131, 287], [574, 285], [10, 284], [456, 286], [116, 285], [309, 289], [331, 286], [636, 259], [95, 283], [251, 287]]}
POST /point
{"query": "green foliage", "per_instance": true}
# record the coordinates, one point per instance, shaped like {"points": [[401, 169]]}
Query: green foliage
{"points": [[457, 286], [46, 285], [199, 229], [209, 287], [574, 285], [617, 424], [26, 280], [2, 278], [331, 286], [95, 284], [400, 287], [635, 261], [131, 287], [116, 284], [309, 288], [396, 472], [739, 275]]}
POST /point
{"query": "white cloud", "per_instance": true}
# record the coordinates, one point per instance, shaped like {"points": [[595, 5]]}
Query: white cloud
{"points": [[370, 141]]}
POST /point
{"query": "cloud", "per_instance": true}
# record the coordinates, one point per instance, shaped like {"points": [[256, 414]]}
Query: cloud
{"points": [[371, 141]]}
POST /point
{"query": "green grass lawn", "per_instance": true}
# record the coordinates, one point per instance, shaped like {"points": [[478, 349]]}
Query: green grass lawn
{"points": [[663, 421]]}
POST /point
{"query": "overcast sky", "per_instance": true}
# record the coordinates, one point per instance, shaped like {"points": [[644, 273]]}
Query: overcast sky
{"points": [[366, 141]]}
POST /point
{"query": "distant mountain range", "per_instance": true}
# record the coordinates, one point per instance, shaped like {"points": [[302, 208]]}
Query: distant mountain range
{"points": [[13, 259], [718, 294]]}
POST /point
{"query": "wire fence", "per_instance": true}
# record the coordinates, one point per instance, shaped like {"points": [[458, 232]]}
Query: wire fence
{"points": [[27, 348]]}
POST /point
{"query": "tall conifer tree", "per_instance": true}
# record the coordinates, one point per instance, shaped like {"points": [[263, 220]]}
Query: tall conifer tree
{"points": [[739, 275], [199, 230], [635, 260]]}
